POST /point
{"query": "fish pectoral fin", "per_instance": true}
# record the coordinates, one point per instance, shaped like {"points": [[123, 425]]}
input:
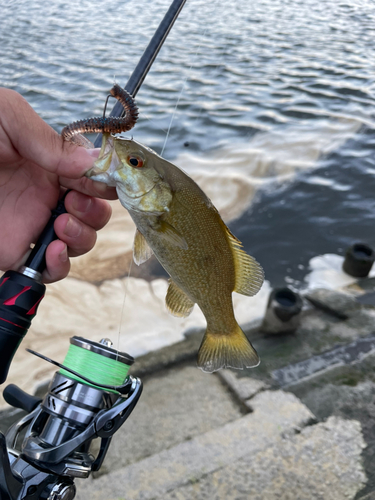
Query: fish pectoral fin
{"points": [[170, 234], [226, 350], [249, 274], [141, 249], [177, 302]]}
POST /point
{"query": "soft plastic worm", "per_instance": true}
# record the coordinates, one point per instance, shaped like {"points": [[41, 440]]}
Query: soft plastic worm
{"points": [[102, 124]]}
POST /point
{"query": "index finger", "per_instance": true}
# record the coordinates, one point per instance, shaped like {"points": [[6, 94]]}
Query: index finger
{"points": [[90, 187]]}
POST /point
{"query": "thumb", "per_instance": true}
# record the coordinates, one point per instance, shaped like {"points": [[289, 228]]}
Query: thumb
{"points": [[36, 141]]}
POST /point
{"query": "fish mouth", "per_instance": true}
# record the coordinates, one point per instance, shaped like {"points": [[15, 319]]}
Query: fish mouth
{"points": [[98, 175], [119, 186], [106, 164]]}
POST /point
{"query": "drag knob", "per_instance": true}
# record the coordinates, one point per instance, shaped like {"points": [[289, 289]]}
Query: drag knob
{"points": [[62, 491]]}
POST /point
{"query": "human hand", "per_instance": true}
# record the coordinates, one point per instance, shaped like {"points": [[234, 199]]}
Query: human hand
{"points": [[36, 167]]}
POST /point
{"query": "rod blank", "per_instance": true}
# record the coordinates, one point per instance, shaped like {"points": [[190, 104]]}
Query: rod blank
{"points": [[140, 72]]}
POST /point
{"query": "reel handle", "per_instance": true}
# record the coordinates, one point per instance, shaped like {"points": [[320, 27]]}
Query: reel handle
{"points": [[18, 398]]}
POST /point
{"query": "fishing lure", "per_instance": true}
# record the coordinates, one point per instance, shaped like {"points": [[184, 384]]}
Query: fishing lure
{"points": [[102, 124]]}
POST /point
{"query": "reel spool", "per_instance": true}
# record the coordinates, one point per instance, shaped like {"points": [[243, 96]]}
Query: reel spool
{"points": [[97, 362]]}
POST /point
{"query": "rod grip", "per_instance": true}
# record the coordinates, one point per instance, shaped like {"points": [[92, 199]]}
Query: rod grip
{"points": [[20, 296], [37, 257]]}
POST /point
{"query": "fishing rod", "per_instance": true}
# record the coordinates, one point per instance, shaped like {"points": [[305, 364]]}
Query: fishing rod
{"points": [[91, 396], [21, 292]]}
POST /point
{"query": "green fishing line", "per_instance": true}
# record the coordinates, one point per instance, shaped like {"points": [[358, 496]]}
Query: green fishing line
{"points": [[100, 369]]}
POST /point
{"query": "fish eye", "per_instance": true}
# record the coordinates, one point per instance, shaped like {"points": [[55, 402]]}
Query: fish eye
{"points": [[135, 161]]}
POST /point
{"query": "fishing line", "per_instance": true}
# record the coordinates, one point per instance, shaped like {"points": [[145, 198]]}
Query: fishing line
{"points": [[153, 121], [174, 112], [182, 89], [123, 303]]}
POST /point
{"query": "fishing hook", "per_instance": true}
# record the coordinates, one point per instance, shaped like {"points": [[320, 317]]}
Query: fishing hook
{"points": [[110, 125]]}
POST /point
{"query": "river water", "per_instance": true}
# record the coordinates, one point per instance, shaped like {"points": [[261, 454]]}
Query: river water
{"points": [[274, 97]]}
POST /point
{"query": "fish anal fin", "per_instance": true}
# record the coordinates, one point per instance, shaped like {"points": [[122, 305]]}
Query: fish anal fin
{"points": [[141, 249], [170, 234], [249, 273], [232, 350], [177, 302]]}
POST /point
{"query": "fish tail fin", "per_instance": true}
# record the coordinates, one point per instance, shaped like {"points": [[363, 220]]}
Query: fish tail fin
{"points": [[231, 350]]}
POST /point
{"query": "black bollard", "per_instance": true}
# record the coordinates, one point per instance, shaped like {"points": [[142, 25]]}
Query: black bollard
{"points": [[283, 311], [358, 260]]}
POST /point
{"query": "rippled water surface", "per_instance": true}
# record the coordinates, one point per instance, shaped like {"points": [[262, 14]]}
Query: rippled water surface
{"points": [[280, 92]]}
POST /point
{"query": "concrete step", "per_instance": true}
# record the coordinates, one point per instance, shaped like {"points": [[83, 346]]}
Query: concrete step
{"points": [[176, 404], [255, 453]]}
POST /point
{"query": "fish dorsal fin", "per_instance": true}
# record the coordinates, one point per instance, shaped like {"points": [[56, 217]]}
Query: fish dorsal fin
{"points": [[249, 274], [141, 249], [177, 302]]}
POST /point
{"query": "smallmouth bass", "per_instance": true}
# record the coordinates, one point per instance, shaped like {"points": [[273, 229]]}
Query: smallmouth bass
{"points": [[178, 223]]}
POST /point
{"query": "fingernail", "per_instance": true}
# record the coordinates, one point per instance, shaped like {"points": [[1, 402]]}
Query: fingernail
{"points": [[73, 228], [63, 256], [81, 203]]}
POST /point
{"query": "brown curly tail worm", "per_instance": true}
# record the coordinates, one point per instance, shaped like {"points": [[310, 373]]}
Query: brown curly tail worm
{"points": [[102, 124]]}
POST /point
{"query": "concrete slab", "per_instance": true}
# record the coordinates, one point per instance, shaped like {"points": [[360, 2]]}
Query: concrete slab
{"points": [[321, 463], [274, 413], [340, 304], [244, 387], [176, 405], [318, 333], [347, 396], [347, 354]]}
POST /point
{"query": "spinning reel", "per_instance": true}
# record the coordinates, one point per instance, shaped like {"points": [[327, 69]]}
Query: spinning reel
{"points": [[42, 454]]}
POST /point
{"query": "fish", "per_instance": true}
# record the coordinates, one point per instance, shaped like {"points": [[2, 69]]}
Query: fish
{"points": [[178, 223]]}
